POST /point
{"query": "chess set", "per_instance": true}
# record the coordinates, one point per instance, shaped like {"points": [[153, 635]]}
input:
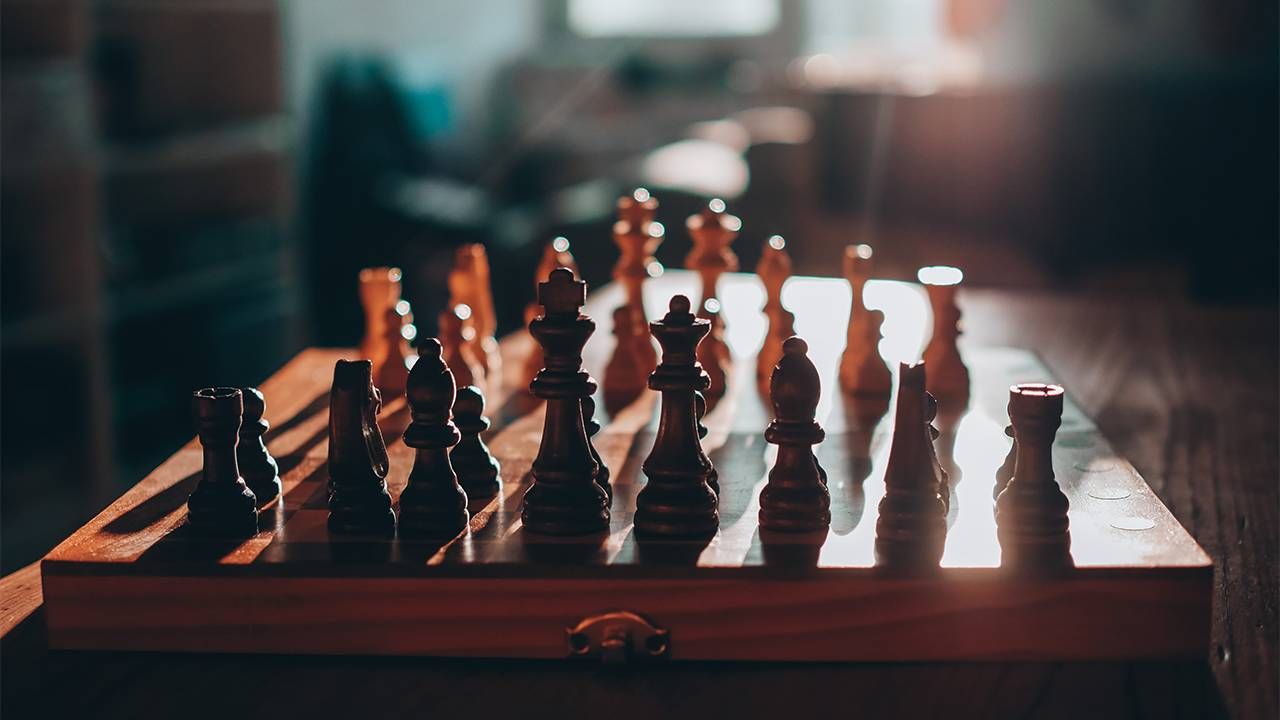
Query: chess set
{"points": [[758, 476]]}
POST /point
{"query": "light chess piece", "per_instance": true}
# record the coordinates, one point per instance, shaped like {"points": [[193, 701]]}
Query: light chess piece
{"points": [[712, 231], [862, 369], [948, 376], [773, 270]]}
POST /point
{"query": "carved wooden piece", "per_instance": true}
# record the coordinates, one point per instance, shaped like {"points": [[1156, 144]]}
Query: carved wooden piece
{"points": [[773, 270], [433, 504], [677, 502], [912, 524], [564, 498], [555, 255], [222, 503], [712, 231], [358, 499], [862, 370], [476, 467], [948, 376], [796, 498], [127, 580], [1031, 512], [259, 470]]}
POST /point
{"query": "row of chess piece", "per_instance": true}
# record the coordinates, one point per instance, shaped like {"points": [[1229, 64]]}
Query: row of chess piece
{"points": [[467, 325], [571, 493]]}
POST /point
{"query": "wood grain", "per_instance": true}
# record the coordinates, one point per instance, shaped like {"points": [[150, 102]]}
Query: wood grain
{"points": [[1188, 393], [1139, 588]]}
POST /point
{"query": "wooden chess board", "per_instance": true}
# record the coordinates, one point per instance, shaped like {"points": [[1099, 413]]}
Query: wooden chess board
{"points": [[134, 579]]}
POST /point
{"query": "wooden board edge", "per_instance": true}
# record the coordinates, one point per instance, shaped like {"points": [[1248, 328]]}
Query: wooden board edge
{"points": [[1165, 617]]}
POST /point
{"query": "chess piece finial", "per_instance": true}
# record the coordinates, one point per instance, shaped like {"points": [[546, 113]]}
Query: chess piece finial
{"points": [[358, 499], [564, 498], [1031, 512], [773, 269], [476, 467], [593, 427], [222, 504], [1004, 473], [457, 337], [677, 502], [912, 525], [795, 498], [948, 376], [260, 471], [433, 504], [862, 370]]}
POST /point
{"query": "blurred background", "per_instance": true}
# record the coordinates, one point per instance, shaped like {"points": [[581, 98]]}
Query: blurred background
{"points": [[190, 187]]}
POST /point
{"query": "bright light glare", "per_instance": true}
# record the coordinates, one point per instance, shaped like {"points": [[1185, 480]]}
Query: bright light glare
{"points": [[672, 18], [940, 275], [560, 244]]}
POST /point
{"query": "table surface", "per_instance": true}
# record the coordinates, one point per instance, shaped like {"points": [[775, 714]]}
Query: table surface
{"points": [[1187, 393]]}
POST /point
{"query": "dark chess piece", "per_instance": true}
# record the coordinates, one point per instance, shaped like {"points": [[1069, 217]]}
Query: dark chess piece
{"points": [[1031, 512], [222, 504], [1005, 472], [476, 467], [259, 469], [700, 409], [944, 481], [795, 498], [433, 504], [564, 498], [593, 427], [358, 499], [678, 502], [912, 526]]}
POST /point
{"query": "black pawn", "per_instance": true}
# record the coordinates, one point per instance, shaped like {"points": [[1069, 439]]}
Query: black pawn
{"points": [[1031, 512], [911, 529], [433, 504], [677, 502], [593, 427], [260, 471], [795, 498], [700, 407], [222, 504], [944, 480], [564, 498], [476, 467], [1004, 473], [358, 499]]}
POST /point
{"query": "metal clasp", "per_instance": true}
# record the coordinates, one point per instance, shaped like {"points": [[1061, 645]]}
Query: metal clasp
{"points": [[618, 637]]}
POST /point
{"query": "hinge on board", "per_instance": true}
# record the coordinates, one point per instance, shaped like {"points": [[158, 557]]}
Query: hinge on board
{"points": [[618, 637]]}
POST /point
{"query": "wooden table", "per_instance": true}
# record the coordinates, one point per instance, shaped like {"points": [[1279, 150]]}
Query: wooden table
{"points": [[1189, 394]]}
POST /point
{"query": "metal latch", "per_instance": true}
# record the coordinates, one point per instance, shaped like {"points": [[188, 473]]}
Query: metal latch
{"points": [[618, 637]]}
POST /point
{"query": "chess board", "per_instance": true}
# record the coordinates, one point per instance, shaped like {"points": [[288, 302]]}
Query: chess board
{"points": [[134, 579]]}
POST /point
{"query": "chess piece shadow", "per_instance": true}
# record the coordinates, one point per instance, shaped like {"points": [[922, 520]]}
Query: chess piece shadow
{"points": [[317, 404], [147, 512], [862, 415], [187, 544], [741, 461]]}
